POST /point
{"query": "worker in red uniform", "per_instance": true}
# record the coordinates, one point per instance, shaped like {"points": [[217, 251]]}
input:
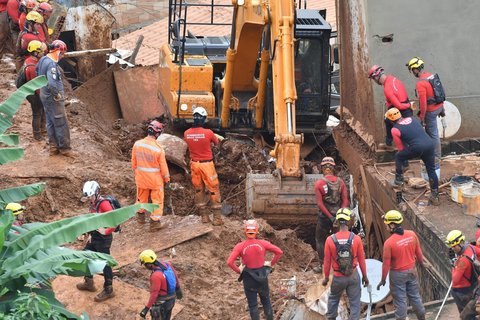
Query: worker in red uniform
{"points": [[164, 287], [412, 142], [204, 175], [35, 52], [5, 41], [400, 252], [395, 97], [331, 194], [253, 269], [429, 110], [26, 35], [344, 252], [45, 9], [463, 281], [25, 8], [151, 173], [99, 240], [13, 15]]}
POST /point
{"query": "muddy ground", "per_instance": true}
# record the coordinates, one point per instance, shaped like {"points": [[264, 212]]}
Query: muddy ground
{"points": [[102, 153]]}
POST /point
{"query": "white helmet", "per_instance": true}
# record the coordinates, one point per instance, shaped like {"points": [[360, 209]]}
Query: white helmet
{"points": [[91, 188], [201, 111]]}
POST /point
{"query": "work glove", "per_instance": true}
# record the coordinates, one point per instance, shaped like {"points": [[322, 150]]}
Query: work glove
{"points": [[365, 281], [241, 267], [179, 293], [144, 312], [380, 284], [267, 264], [442, 113], [325, 282], [58, 97]]}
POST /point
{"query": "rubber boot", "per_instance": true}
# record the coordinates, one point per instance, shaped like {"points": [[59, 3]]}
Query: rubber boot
{"points": [[398, 180], [434, 198], [87, 285], [53, 150], [141, 217], [37, 135], [67, 153], [156, 225], [217, 217], [204, 213], [106, 293]]}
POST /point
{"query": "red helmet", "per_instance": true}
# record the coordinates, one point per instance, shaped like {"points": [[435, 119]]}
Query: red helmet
{"points": [[375, 71], [155, 126], [251, 228], [30, 4], [58, 45], [45, 8], [327, 161]]}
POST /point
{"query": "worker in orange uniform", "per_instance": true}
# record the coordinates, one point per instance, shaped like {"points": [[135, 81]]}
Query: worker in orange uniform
{"points": [[151, 173], [344, 252], [164, 287], [464, 280], [395, 97], [400, 252], [254, 270], [331, 194], [199, 141]]}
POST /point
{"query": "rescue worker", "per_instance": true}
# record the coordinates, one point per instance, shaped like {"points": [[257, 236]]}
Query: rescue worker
{"points": [[53, 99], [331, 194], [17, 210], [429, 111], [4, 28], [254, 270], [199, 140], [28, 33], [13, 14], [35, 49], [99, 240], [412, 142], [151, 173], [463, 276], [160, 302], [45, 9], [395, 97], [25, 8], [345, 277], [400, 252]]}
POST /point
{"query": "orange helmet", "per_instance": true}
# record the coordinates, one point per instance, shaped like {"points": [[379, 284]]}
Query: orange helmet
{"points": [[327, 161], [393, 114], [375, 71], [251, 228]]}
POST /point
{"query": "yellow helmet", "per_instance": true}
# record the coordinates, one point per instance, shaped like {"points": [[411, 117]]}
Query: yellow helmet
{"points": [[147, 256], [35, 46], [16, 208], [454, 238], [393, 114], [343, 214], [392, 216], [415, 63], [34, 16]]}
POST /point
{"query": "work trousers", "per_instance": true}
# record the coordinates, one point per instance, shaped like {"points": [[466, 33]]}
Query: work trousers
{"points": [[102, 244], [5, 40], [163, 310], [432, 130], [350, 284], [462, 296], [403, 286], [389, 125], [156, 196], [426, 153], [38, 114], [322, 231], [57, 124], [469, 312], [205, 176], [252, 288]]}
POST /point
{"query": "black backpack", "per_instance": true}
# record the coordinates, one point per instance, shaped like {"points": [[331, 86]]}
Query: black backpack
{"points": [[438, 92], [475, 267], [21, 76], [113, 202], [344, 255]]}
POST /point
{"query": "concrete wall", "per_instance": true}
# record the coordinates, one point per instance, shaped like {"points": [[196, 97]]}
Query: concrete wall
{"points": [[442, 32]]}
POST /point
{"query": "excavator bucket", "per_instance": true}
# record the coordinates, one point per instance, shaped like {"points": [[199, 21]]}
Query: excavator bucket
{"points": [[282, 201]]}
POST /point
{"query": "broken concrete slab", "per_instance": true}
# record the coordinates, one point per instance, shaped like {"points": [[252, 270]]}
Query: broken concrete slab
{"points": [[175, 149]]}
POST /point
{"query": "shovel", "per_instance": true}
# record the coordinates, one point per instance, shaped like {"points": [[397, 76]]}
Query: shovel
{"points": [[369, 310], [226, 209]]}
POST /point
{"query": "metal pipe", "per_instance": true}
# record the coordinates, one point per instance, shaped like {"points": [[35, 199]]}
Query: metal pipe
{"points": [[83, 53], [444, 299], [289, 118]]}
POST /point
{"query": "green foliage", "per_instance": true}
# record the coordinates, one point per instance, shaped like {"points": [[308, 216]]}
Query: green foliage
{"points": [[32, 306]]}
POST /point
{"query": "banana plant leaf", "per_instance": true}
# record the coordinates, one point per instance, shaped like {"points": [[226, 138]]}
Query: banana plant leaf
{"points": [[10, 154], [21, 193], [12, 104], [10, 139], [6, 221], [63, 231]]}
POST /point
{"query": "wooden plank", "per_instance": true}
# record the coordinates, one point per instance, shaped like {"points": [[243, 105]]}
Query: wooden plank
{"points": [[128, 244]]}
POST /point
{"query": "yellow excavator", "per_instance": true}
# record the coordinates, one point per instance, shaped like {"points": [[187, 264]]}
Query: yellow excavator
{"points": [[271, 76]]}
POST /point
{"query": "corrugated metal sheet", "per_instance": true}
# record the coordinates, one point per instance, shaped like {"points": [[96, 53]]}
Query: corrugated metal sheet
{"points": [[156, 34]]}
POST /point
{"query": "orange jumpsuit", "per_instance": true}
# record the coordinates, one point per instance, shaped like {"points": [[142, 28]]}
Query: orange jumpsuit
{"points": [[151, 172], [199, 142]]}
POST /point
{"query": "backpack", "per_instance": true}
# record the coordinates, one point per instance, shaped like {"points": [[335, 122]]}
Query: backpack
{"points": [[21, 76], [113, 202], [344, 255], [333, 194], [169, 277], [438, 92], [475, 267]]}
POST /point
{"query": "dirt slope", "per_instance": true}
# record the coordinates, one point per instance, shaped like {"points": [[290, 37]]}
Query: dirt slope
{"points": [[102, 153]]}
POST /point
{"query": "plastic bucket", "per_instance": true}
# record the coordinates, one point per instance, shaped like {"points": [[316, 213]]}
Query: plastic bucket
{"points": [[288, 287], [458, 184], [471, 200]]}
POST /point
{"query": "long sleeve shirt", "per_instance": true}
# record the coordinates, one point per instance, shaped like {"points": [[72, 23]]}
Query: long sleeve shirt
{"points": [[3, 5], [150, 164], [12, 10], [462, 269], [330, 259], [48, 67], [321, 190], [425, 92], [158, 285], [252, 252], [199, 142], [103, 206], [395, 94], [400, 252]]}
